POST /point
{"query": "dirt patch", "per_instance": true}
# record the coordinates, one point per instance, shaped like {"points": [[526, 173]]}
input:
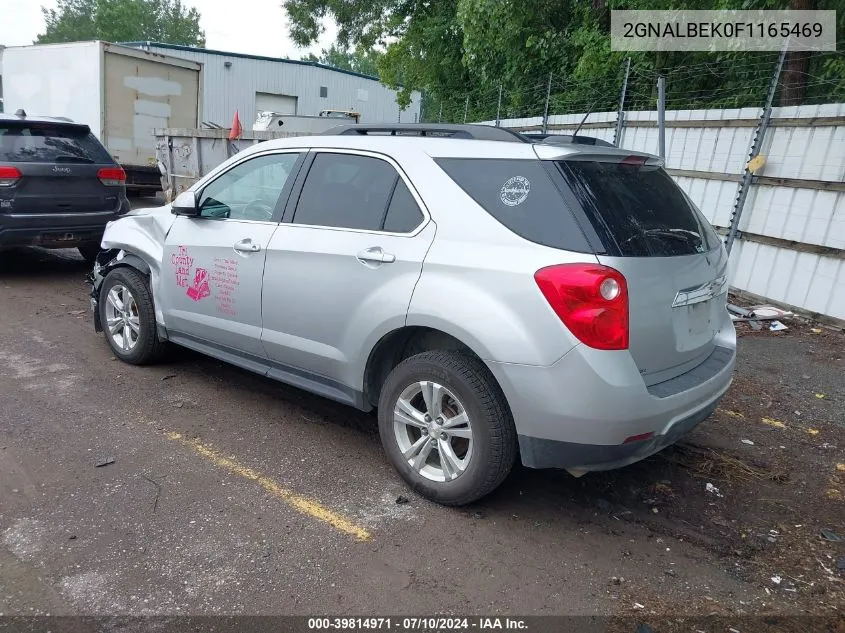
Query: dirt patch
{"points": [[761, 484]]}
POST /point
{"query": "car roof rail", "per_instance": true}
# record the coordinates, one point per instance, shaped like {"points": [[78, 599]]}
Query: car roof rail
{"points": [[566, 139], [430, 130]]}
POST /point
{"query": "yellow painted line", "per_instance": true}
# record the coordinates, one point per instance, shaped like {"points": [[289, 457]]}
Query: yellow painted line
{"points": [[303, 504]]}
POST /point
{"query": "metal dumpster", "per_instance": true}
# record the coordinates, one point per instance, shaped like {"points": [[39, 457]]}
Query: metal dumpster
{"points": [[186, 155]]}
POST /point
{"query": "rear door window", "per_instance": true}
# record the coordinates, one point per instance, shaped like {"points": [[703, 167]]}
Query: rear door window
{"points": [[637, 210], [403, 214], [521, 195], [347, 191], [47, 143]]}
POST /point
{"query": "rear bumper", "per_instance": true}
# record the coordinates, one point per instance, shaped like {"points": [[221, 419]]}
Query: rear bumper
{"points": [[57, 230], [542, 453], [579, 412]]}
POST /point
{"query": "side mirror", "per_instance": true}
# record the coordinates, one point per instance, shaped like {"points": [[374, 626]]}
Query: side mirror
{"points": [[185, 204]]}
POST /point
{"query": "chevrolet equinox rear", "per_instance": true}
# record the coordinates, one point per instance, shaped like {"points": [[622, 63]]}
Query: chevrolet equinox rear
{"points": [[556, 301]]}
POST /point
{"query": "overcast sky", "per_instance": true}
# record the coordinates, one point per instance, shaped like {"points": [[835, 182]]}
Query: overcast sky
{"points": [[242, 26]]}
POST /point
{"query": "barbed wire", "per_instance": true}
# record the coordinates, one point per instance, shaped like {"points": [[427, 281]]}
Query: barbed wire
{"points": [[703, 84]]}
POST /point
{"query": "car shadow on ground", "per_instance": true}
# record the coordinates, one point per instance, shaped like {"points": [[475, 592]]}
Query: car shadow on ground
{"points": [[18, 263]]}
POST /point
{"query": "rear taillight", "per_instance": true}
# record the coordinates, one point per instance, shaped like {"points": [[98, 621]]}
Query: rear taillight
{"points": [[591, 300], [9, 176], [112, 176]]}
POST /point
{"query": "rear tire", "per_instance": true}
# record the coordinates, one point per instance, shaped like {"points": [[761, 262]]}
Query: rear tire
{"points": [[467, 447], [127, 314], [89, 252]]}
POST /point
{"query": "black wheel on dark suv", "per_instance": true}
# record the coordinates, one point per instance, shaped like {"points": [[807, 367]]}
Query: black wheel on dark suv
{"points": [[89, 252]]}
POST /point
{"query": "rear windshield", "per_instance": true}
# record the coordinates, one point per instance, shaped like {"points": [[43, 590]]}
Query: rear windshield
{"points": [[521, 195], [637, 210], [45, 143]]}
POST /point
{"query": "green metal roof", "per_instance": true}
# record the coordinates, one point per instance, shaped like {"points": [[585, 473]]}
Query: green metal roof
{"points": [[211, 51]]}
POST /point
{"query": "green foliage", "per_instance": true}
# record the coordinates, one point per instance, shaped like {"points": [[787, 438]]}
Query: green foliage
{"points": [[122, 20], [359, 60], [461, 53]]}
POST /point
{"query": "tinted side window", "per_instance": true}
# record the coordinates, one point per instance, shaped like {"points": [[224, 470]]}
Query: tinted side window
{"points": [[50, 143], [521, 195], [348, 191], [403, 214]]}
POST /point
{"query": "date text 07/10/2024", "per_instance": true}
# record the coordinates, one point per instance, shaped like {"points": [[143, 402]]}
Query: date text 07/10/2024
{"points": [[416, 623]]}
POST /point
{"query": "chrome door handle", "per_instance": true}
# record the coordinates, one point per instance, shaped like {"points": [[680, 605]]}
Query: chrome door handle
{"points": [[247, 246], [375, 255]]}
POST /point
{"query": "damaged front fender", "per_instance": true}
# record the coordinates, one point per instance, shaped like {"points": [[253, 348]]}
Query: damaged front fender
{"points": [[135, 240]]}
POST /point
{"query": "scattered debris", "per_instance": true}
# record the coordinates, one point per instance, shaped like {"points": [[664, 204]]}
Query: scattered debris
{"points": [[776, 579], [830, 535], [840, 468], [733, 414], [816, 330], [821, 396], [767, 312], [777, 326], [72, 537], [670, 572], [749, 442], [637, 605], [840, 564], [655, 510], [402, 499], [179, 404], [105, 461], [775, 423], [168, 377], [812, 431], [713, 490]]}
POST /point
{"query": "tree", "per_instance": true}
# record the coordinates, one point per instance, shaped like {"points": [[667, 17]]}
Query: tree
{"points": [[461, 53], [359, 60], [166, 21]]}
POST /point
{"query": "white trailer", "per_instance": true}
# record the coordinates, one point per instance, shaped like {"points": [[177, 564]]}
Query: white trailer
{"points": [[121, 93]]}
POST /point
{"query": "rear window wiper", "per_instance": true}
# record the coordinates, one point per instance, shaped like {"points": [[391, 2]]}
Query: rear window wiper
{"points": [[678, 234], [69, 158]]}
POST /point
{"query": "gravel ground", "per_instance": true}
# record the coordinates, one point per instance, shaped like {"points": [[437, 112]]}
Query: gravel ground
{"points": [[204, 509]]}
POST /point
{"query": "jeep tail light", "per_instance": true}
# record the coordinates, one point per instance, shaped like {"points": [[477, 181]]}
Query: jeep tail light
{"points": [[9, 176], [112, 176], [591, 300]]}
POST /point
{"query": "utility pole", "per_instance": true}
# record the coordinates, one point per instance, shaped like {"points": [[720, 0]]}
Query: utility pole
{"points": [[546, 110], [748, 176], [499, 107], [617, 134], [661, 116], [466, 109]]}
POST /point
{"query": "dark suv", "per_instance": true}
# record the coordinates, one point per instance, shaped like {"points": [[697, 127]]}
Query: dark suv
{"points": [[58, 184]]}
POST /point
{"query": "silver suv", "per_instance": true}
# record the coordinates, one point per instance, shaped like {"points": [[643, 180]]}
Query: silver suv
{"points": [[490, 295]]}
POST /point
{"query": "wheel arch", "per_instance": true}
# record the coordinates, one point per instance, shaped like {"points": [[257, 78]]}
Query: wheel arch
{"points": [[107, 261], [401, 343]]}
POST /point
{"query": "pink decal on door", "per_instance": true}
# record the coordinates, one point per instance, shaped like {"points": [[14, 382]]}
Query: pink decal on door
{"points": [[200, 289]]}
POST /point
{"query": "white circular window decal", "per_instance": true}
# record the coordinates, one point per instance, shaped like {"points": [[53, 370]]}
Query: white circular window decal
{"points": [[515, 190]]}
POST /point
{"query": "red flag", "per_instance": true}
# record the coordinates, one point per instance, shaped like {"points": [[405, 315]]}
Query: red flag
{"points": [[236, 128]]}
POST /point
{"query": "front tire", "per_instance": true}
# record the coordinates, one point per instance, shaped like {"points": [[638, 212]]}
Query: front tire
{"points": [[128, 317], [446, 426]]}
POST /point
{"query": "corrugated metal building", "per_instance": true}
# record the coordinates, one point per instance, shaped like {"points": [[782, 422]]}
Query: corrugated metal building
{"points": [[248, 83]]}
